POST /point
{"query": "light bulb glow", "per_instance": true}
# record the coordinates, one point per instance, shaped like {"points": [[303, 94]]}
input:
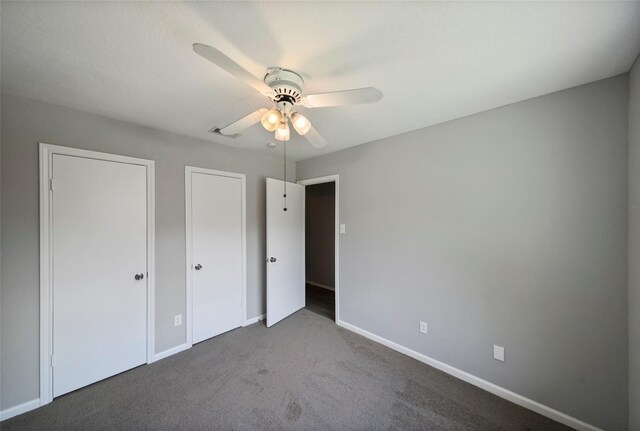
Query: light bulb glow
{"points": [[282, 132], [271, 119], [300, 123]]}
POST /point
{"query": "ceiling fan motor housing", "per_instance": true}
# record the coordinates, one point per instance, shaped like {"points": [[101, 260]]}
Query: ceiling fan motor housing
{"points": [[286, 86]]}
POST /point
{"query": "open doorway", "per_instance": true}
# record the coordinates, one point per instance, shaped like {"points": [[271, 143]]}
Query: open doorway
{"points": [[321, 246]]}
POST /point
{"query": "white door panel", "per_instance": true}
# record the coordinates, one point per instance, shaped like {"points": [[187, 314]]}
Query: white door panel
{"points": [[216, 230], [99, 245], [285, 244]]}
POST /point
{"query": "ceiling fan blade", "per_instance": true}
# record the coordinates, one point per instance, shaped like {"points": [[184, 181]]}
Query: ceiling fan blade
{"points": [[339, 98], [238, 126], [314, 137], [222, 61]]}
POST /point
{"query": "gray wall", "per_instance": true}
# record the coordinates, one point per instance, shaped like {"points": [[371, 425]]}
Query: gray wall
{"points": [[27, 122], [505, 227], [634, 248], [320, 201]]}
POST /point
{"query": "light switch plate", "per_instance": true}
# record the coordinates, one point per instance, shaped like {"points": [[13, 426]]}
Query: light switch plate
{"points": [[343, 228], [498, 353]]}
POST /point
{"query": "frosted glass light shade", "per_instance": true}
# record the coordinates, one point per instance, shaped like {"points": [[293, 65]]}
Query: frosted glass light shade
{"points": [[282, 132], [271, 119], [300, 123]]}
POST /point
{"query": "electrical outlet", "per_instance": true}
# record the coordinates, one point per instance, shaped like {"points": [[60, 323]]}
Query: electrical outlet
{"points": [[424, 328], [498, 353], [177, 320]]}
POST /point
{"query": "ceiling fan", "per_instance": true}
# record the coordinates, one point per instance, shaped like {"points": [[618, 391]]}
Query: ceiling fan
{"points": [[284, 88]]}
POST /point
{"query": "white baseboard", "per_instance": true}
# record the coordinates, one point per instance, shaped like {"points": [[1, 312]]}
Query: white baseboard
{"points": [[254, 320], [171, 351], [34, 404], [324, 286], [19, 409], [476, 381]]}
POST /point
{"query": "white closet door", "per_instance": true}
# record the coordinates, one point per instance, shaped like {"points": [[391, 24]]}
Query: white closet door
{"points": [[285, 250], [99, 245], [216, 238]]}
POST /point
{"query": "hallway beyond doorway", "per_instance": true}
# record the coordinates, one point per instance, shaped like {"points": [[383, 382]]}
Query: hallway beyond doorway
{"points": [[321, 301]]}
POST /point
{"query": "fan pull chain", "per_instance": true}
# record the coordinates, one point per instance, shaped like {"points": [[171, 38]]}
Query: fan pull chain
{"points": [[284, 144]]}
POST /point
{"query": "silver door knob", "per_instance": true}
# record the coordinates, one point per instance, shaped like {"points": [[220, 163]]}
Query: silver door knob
{"points": [[198, 267], [272, 259]]}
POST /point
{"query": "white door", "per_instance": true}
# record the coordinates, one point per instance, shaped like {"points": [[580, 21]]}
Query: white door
{"points": [[99, 246], [217, 254], [285, 250]]}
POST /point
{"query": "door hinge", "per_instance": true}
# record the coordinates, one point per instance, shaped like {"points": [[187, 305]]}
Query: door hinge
{"points": [[51, 184], [51, 360]]}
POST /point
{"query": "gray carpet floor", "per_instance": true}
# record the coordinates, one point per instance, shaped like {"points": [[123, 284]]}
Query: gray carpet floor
{"points": [[303, 373]]}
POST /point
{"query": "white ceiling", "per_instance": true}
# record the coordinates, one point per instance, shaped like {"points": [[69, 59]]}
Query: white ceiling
{"points": [[433, 61]]}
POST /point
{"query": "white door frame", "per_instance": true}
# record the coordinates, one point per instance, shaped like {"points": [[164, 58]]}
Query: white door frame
{"points": [[331, 179], [188, 170], [46, 255]]}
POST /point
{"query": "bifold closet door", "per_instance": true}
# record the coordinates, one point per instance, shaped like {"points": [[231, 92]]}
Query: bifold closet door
{"points": [[217, 253], [99, 221]]}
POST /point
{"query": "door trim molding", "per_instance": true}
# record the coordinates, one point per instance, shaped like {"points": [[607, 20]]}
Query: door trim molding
{"points": [[188, 171], [332, 179], [46, 256]]}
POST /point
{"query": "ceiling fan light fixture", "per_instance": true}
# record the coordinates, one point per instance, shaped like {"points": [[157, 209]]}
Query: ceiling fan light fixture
{"points": [[300, 123], [285, 89], [282, 132], [271, 119]]}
